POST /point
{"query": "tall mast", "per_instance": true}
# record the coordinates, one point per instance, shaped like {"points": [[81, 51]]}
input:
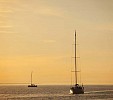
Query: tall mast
{"points": [[75, 61], [31, 77]]}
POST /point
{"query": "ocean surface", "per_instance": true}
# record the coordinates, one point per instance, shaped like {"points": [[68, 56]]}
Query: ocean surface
{"points": [[55, 92]]}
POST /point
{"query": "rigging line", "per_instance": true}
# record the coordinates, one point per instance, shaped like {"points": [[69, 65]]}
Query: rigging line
{"points": [[79, 66], [80, 63], [71, 72], [80, 73], [71, 66]]}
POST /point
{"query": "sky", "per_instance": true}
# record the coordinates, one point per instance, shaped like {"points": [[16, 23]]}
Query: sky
{"points": [[38, 36]]}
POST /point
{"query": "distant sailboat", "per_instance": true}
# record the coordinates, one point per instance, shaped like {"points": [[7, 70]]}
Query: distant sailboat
{"points": [[32, 85], [76, 89]]}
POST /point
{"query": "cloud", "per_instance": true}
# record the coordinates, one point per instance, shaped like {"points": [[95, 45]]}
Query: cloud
{"points": [[7, 32], [48, 11], [6, 11], [49, 41], [6, 26], [7, 1]]}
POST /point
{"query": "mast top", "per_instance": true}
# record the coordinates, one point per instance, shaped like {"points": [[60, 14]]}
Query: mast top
{"points": [[75, 32]]}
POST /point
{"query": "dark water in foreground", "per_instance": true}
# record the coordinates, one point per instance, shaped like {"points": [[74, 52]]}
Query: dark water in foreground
{"points": [[50, 92]]}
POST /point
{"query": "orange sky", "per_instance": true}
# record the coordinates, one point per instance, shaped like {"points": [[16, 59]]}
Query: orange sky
{"points": [[38, 35]]}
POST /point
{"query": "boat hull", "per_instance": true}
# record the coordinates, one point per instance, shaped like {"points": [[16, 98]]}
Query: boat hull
{"points": [[32, 85], [77, 90]]}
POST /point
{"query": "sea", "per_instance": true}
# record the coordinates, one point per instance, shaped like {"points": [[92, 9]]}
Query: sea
{"points": [[55, 92]]}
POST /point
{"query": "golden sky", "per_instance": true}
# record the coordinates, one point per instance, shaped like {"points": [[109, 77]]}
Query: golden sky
{"points": [[37, 35]]}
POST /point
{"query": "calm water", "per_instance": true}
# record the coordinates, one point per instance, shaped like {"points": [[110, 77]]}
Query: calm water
{"points": [[55, 93]]}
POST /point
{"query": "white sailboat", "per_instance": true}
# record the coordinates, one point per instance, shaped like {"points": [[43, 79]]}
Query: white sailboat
{"points": [[76, 89]]}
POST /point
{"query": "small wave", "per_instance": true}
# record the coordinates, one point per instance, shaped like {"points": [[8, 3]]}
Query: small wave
{"points": [[99, 91]]}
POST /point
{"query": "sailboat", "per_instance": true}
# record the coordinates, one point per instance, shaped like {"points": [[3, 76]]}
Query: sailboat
{"points": [[32, 85], [76, 89]]}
